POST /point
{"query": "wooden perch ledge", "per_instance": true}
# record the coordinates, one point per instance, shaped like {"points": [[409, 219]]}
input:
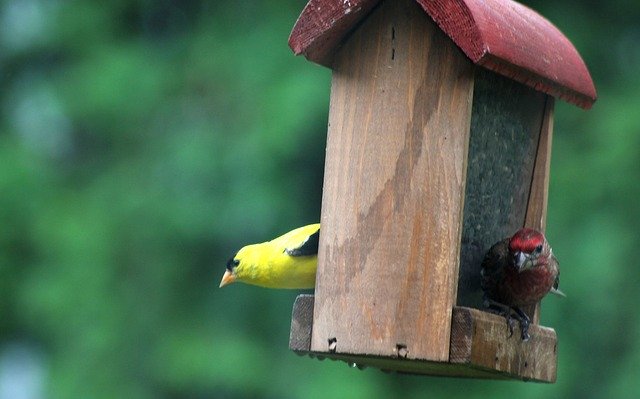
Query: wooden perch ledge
{"points": [[480, 347]]}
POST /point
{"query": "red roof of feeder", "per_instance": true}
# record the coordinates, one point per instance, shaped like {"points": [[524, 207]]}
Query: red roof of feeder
{"points": [[501, 35]]}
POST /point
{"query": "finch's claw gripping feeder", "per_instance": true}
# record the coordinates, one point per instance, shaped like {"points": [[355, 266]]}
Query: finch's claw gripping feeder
{"points": [[438, 145]]}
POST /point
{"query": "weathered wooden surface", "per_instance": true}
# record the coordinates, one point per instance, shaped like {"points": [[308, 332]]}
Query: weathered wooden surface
{"points": [[482, 339], [501, 35], [515, 41], [393, 188], [480, 348], [301, 322], [323, 24], [505, 128], [538, 197]]}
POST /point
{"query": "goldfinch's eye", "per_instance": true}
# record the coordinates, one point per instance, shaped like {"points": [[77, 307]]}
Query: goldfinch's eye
{"points": [[232, 263], [539, 248]]}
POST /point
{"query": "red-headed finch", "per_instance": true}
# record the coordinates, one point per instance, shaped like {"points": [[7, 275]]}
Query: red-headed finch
{"points": [[518, 272]]}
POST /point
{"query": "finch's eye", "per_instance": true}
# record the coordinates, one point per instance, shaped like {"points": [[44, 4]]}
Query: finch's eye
{"points": [[232, 263], [539, 248]]}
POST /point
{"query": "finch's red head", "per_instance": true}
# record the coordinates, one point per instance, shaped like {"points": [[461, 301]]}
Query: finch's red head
{"points": [[526, 246], [526, 240]]}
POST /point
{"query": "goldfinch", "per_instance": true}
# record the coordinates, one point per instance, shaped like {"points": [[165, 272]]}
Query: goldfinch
{"points": [[289, 261]]}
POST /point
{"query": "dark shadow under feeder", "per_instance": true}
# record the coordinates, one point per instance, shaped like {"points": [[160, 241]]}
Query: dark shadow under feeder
{"points": [[438, 146]]}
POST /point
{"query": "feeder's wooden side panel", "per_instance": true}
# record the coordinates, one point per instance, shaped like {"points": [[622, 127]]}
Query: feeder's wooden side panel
{"points": [[393, 189], [539, 195]]}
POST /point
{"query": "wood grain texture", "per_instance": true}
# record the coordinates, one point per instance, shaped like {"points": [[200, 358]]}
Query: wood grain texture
{"points": [[539, 194], [515, 41], [482, 339], [301, 323], [501, 35], [505, 129], [393, 188], [323, 24], [480, 348]]}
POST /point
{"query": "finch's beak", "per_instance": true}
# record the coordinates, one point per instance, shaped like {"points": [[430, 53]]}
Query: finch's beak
{"points": [[228, 278], [522, 261]]}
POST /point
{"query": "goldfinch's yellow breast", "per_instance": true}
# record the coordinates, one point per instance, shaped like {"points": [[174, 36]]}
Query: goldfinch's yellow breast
{"points": [[288, 261]]}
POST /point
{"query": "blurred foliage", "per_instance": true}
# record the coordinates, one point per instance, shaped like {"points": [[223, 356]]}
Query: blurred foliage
{"points": [[143, 142]]}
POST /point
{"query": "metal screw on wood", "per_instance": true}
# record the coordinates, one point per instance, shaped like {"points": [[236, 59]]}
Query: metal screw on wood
{"points": [[333, 343], [401, 350]]}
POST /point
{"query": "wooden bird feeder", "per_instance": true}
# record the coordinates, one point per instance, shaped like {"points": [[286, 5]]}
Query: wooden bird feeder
{"points": [[439, 145]]}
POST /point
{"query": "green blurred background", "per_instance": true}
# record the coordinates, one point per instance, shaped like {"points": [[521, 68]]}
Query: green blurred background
{"points": [[143, 142]]}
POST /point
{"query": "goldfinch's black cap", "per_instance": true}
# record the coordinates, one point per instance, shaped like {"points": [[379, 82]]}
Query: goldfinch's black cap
{"points": [[232, 263]]}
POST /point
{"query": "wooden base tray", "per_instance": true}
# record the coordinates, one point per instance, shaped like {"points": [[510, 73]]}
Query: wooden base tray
{"points": [[480, 348]]}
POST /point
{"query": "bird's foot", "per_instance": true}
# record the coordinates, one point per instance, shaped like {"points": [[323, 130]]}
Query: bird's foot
{"points": [[525, 322], [511, 323]]}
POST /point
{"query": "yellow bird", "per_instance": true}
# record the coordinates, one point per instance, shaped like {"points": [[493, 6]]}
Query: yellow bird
{"points": [[289, 261]]}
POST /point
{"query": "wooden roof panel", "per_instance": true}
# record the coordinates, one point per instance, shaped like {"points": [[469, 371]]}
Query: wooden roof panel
{"points": [[501, 35]]}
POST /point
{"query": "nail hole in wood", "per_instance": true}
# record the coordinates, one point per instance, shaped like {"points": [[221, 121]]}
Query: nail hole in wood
{"points": [[333, 343], [401, 350]]}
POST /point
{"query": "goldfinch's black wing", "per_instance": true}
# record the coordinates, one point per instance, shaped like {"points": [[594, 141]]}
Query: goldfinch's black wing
{"points": [[308, 248]]}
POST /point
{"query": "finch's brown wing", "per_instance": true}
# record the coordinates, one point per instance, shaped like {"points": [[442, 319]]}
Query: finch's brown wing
{"points": [[493, 266], [557, 282], [555, 290]]}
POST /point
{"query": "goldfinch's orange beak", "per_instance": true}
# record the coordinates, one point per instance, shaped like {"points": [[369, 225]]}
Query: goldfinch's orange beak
{"points": [[228, 278]]}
